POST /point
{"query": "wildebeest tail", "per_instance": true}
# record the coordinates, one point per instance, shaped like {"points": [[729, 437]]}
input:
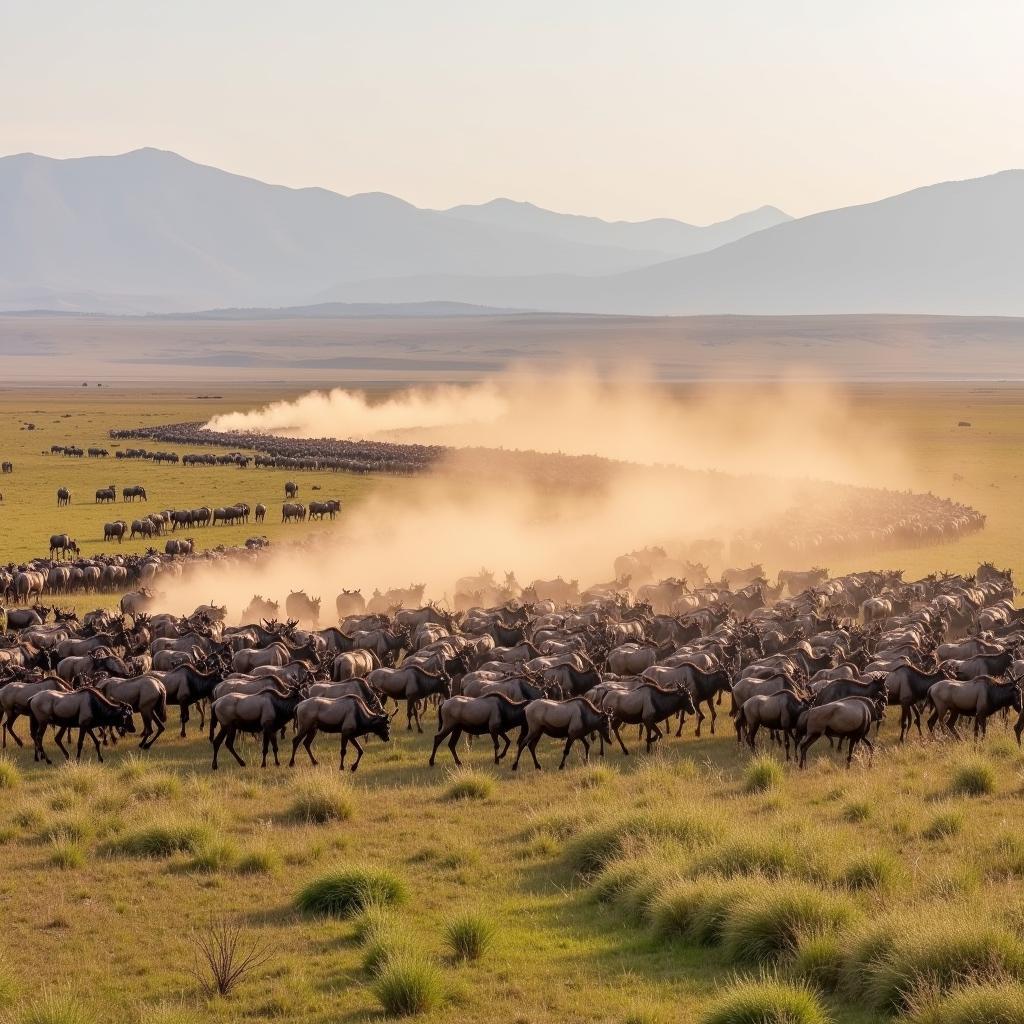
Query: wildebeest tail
{"points": [[161, 707]]}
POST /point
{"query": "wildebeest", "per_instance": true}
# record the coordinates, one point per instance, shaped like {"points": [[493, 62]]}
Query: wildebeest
{"points": [[849, 719], [105, 494], [779, 712], [260, 512], [266, 713], [977, 698], [62, 545], [570, 720], [493, 714], [293, 511], [63, 496], [302, 608], [291, 489], [137, 491], [115, 530], [86, 709], [349, 716], [646, 705], [411, 684]]}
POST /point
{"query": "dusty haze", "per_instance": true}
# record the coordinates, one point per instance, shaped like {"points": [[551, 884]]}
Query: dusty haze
{"points": [[759, 456]]}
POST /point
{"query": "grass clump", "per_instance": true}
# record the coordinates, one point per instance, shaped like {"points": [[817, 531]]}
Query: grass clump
{"points": [[818, 960], [469, 784], [767, 926], [762, 774], [259, 860], [469, 936], [162, 839], [857, 812], [974, 776], [217, 854], [592, 850], [8, 985], [346, 893], [697, 908], [998, 1001], [321, 798], [871, 871], [10, 777], [408, 984], [53, 1007], [771, 858], [766, 1001], [944, 824], [66, 852], [944, 954]]}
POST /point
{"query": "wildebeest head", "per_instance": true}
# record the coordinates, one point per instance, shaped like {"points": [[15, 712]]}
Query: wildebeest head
{"points": [[380, 725]]}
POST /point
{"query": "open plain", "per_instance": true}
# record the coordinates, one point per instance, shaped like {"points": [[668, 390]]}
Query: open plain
{"points": [[633, 889]]}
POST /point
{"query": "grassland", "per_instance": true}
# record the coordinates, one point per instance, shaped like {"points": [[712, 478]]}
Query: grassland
{"points": [[588, 878], [83, 416], [640, 890]]}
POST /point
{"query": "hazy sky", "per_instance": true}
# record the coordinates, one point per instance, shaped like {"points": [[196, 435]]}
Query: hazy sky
{"points": [[632, 109]]}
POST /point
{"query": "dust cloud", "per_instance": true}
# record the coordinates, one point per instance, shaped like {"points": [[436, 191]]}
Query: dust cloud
{"points": [[790, 428], [751, 455]]}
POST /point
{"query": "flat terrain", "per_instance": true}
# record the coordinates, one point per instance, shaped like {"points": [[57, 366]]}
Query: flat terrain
{"points": [[885, 845], [396, 348], [110, 872], [83, 416]]}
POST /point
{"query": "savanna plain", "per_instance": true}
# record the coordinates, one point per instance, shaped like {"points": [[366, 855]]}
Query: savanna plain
{"points": [[675, 886]]}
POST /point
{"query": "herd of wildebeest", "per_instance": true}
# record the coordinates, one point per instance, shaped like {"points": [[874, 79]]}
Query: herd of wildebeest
{"points": [[804, 658]]}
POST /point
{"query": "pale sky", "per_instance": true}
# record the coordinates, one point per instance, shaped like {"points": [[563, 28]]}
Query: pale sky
{"points": [[629, 109]]}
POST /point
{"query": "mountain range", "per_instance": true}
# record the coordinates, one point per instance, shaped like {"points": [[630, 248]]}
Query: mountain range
{"points": [[152, 232]]}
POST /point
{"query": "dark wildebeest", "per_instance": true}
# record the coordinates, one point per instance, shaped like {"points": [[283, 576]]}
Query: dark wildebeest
{"points": [[115, 530], [349, 716], [86, 709], [266, 712], [105, 494], [62, 545], [131, 493], [570, 720], [493, 714], [291, 489], [63, 496]]}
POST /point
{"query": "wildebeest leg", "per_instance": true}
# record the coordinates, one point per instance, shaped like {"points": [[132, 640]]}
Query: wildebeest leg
{"points": [[409, 711], [159, 730], [273, 746], [183, 708], [96, 744], [751, 733], [508, 742], [532, 744], [9, 729], [808, 742], [228, 735], [1019, 727], [618, 736], [438, 740], [266, 747], [59, 735], [565, 752], [359, 753]]}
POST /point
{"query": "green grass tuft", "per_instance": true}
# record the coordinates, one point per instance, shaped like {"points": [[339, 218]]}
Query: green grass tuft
{"points": [[259, 860], [878, 870], [162, 839], [974, 776], [469, 936], [944, 824], [999, 1001], [767, 926], [10, 777], [407, 985], [766, 1001], [321, 798], [593, 849], [66, 852], [53, 1007], [762, 774], [345, 893], [818, 960], [469, 784]]}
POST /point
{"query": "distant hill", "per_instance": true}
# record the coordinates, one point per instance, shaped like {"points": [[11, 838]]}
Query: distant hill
{"points": [[150, 231], [671, 238], [341, 311], [955, 248]]}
